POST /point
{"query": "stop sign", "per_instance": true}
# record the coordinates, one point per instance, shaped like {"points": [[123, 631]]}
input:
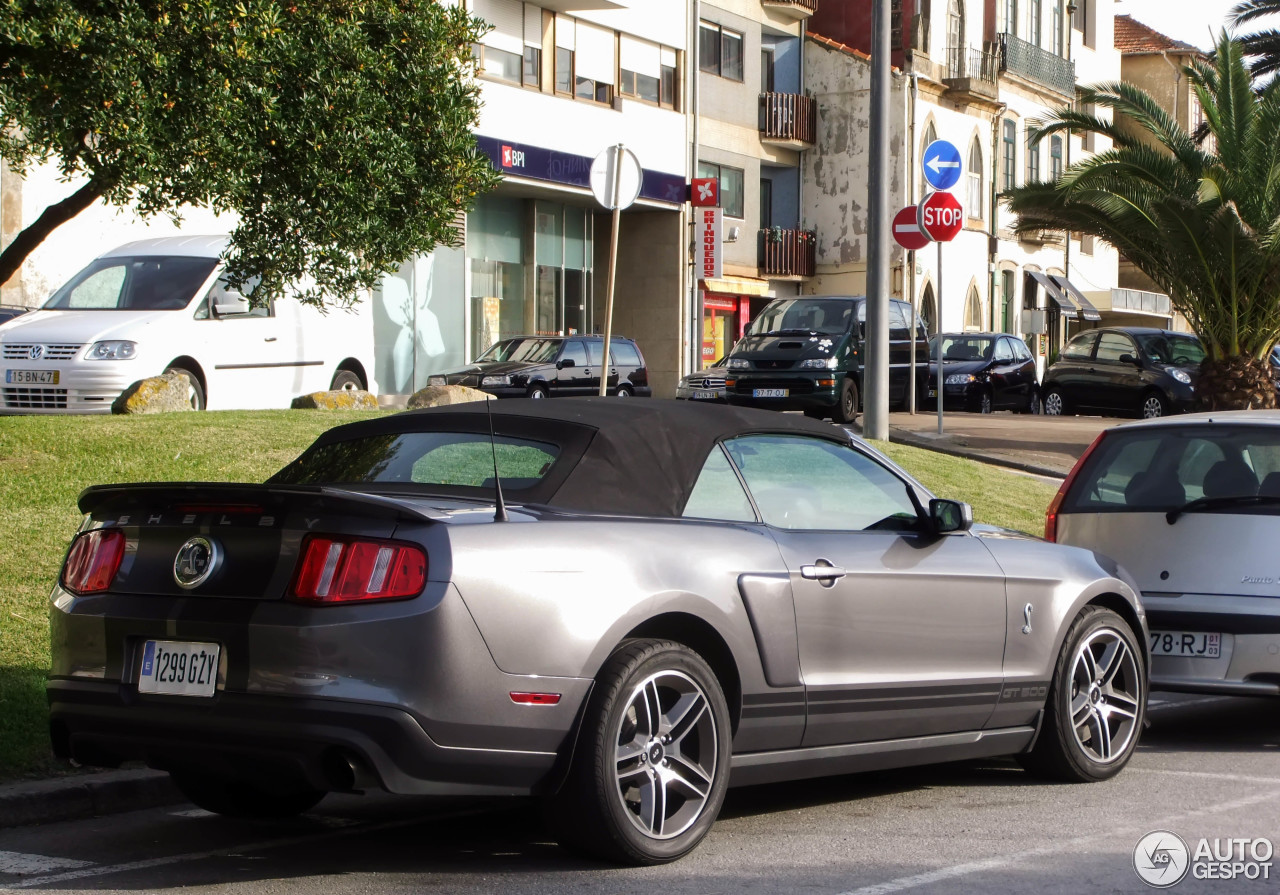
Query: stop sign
{"points": [[940, 216], [906, 229]]}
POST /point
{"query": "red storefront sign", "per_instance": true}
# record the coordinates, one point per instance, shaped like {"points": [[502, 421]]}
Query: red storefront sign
{"points": [[710, 222]]}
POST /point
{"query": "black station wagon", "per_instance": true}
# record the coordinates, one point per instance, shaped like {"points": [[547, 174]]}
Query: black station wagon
{"points": [[556, 366]]}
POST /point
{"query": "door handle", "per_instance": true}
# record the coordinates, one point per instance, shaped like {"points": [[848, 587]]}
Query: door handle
{"points": [[269, 339], [826, 572]]}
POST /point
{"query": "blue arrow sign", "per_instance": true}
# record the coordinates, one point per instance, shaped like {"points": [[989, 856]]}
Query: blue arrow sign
{"points": [[941, 165]]}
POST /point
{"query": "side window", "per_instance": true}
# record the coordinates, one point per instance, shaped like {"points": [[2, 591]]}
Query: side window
{"points": [[1112, 345], [1004, 351], [624, 353], [899, 328], [718, 494], [1081, 347], [222, 295], [813, 484], [575, 351], [1021, 351]]}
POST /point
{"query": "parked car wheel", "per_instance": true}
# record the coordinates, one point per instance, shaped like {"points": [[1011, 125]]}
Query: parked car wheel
{"points": [[239, 798], [652, 762], [847, 407], [1154, 405], [1054, 403], [1033, 403], [538, 391], [346, 380], [985, 404], [624, 391], [195, 392], [1097, 702]]}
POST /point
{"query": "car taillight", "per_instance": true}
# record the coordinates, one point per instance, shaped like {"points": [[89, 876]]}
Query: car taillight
{"points": [[1051, 515], [341, 570], [93, 561]]}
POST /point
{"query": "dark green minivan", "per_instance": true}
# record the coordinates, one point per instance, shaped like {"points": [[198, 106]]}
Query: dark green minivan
{"points": [[806, 353]]}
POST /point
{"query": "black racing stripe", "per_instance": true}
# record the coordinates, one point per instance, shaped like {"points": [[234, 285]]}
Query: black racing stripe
{"points": [[884, 705], [932, 690], [780, 711], [786, 698]]}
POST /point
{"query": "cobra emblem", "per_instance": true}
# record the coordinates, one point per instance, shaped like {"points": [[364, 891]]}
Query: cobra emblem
{"points": [[196, 561]]}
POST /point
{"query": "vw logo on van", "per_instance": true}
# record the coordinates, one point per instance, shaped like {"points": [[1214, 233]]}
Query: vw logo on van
{"points": [[36, 352], [197, 559]]}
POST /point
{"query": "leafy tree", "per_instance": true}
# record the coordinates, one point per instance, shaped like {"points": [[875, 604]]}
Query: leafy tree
{"points": [[339, 131], [1202, 219], [1263, 46]]}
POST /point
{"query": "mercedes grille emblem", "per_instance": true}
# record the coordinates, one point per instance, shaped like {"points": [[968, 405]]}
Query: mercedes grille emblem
{"points": [[197, 559], [36, 352]]}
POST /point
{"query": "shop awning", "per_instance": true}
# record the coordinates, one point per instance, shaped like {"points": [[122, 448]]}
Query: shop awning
{"points": [[1055, 293], [737, 286], [1087, 310]]}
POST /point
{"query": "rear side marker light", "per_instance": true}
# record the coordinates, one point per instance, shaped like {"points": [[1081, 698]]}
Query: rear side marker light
{"points": [[341, 570], [535, 698], [93, 561]]}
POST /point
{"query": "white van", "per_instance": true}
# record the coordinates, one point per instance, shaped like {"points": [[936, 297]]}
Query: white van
{"points": [[160, 304]]}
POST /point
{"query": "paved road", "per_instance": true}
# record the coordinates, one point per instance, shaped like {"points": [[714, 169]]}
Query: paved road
{"points": [[1206, 768]]}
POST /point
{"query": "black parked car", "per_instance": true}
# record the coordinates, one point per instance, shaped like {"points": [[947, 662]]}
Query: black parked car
{"points": [[8, 312], [1125, 369], [806, 353], [556, 366], [983, 372]]}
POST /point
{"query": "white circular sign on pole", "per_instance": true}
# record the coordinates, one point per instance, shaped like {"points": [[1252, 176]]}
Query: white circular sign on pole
{"points": [[605, 173]]}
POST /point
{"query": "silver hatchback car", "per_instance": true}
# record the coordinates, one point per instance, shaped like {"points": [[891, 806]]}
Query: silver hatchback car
{"points": [[659, 601], [1191, 507]]}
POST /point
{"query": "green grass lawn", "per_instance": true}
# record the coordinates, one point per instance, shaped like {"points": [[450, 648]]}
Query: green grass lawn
{"points": [[46, 461]]}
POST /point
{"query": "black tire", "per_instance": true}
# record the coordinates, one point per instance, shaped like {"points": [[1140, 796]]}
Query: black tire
{"points": [[846, 409], [538, 391], [239, 798], [1034, 405], [195, 389], [1055, 403], [346, 379], [1091, 707], [624, 391], [1154, 405], [986, 403], [602, 807]]}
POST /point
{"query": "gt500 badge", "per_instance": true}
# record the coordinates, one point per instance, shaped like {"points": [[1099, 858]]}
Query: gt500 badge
{"points": [[197, 559]]}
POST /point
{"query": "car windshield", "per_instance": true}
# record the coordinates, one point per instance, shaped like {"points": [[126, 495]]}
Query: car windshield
{"points": [[1164, 469], [134, 284], [459, 459], [531, 350], [962, 348], [807, 315], [1177, 350]]}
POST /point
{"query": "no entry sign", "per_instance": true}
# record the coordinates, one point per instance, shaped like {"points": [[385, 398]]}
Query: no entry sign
{"points": [[940, 216], [906, 229]]}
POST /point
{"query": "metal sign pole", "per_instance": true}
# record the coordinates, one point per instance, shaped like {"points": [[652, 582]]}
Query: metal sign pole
{"points": [[613, 265], [910, 261], [939, 379]]}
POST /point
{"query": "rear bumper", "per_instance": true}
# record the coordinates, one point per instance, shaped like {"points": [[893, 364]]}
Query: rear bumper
{"points": [[325, 744], [1249, 659]]}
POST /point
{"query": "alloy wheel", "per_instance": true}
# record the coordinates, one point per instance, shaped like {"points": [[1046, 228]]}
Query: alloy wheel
{"points": [[1106, 694], [665, 754], [1053, 405], [1152, 407]]}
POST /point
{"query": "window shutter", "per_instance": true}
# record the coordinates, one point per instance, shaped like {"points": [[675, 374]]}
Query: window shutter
{"points": [[668, 57], [532, 26], [641, 57], [595, 53], [507, 18], [566, 33]]}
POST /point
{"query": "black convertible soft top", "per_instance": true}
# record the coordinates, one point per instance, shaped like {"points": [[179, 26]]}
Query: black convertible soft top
{"points": [[635, 457]]}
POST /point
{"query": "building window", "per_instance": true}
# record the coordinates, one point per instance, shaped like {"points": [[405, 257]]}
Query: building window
{"points": [[973, 311], [647, 71], [973, 207], [1055, 159], [1010, 154], [585, 60], [1059, 20], [1033, 160], [1011, 17], [566, 41], [512, 50], [930, 136], [732, 187], [1037, 16], [720, 51], [955, 27]]}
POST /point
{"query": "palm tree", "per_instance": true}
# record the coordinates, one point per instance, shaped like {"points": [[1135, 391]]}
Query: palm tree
{"points": [[1200, 218], [1263, 47]]}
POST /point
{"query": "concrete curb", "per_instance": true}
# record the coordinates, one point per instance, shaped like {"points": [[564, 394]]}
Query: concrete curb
{"points": [[85, 795], [907, 437]]}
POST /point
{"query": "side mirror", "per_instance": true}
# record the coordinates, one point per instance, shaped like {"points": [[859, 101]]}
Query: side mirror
{"points": [[1130, 359], [950, 515], [230, 303], [567, 362]]}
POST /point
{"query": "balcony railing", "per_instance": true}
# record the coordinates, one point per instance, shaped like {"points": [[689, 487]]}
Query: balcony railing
{"points": [[788, 253], [788, 118], [1037, 65], [972, 71], [796, 9]]}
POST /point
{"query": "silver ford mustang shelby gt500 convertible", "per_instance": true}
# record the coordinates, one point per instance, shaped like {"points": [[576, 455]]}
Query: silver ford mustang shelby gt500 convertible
{"points": [[623, 608]]}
